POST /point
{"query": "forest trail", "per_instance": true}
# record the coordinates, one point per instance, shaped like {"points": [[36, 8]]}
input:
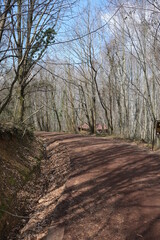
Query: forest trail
{"points": [[113, 191]]}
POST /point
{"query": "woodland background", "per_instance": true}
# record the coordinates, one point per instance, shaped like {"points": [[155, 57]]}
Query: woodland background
{"points": [[64, 63]]}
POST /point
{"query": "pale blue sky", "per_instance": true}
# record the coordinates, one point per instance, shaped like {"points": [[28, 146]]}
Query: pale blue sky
{"points": [[66, 30]]}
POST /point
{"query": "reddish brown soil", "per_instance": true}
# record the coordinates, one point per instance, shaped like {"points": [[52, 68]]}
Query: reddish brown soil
{"points": [[113, 192], [20, 156]]}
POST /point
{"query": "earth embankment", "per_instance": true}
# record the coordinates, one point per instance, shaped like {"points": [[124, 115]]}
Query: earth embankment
{"points": [[20, 157]]}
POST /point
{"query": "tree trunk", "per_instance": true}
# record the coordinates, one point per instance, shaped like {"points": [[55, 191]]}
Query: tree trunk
{"points": [[20, 104]]}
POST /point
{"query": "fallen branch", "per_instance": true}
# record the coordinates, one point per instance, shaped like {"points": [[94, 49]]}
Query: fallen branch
{"points": [[33, 114], [14, 215]]}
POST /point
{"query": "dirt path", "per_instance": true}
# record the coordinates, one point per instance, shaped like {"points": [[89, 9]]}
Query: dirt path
{"points": [[113, 192]]}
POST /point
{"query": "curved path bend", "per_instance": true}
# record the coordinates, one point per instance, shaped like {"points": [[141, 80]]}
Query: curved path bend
{"points": [[113, 192]]}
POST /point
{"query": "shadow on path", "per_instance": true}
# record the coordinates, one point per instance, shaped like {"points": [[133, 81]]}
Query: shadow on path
{"points": [[113, 192]]}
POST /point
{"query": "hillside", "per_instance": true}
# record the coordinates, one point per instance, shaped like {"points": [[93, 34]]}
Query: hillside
{"points": [[20, 157]]}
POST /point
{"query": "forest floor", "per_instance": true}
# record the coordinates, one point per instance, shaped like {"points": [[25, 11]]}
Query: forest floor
{"points": [[112, 191]]}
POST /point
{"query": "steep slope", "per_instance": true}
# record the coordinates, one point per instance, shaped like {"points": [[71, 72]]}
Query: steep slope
{"points": [[20, 157]]}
